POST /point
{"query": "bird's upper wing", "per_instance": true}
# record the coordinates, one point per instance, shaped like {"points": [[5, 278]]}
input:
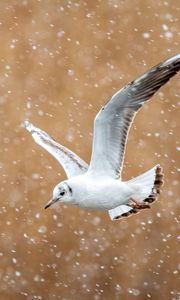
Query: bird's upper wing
{"points": [[72, 163], [112, 123]]}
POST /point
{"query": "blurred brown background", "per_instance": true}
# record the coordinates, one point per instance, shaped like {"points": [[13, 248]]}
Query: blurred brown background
{"points": [[59, 62]]}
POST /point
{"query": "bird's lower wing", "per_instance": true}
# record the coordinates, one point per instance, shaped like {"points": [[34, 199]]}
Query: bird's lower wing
{"points": [[112, 123], [72, 163], [121, 211]]}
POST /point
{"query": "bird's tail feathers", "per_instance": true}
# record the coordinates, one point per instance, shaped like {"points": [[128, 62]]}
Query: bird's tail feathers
{"points": [[146, 188]]}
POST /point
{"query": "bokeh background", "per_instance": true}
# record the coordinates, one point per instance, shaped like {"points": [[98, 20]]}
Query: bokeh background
{"points": [[59, 62]]}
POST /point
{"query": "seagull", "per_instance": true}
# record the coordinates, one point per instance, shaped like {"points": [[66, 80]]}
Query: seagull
{"points": [[99, 185]]}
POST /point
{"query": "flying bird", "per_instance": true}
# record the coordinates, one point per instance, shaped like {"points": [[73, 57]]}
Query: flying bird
{"points": [[99, 185]]}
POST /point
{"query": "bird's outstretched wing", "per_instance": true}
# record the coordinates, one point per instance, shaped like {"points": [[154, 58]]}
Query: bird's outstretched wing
{"points": [[72, 163], [112, 123]]}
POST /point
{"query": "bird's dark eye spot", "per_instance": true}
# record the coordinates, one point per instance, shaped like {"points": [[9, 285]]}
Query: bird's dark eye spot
{"points": [[62, 193]]}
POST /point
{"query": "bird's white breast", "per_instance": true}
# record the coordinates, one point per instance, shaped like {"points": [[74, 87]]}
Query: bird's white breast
{"points": [[99, 192]]}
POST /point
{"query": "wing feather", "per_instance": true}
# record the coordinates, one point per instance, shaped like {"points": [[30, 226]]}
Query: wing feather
{"points": [[113, 122], [73, 165]]}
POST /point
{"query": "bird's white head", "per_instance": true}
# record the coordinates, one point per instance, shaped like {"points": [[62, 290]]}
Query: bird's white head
{"points": [[62, 193]]}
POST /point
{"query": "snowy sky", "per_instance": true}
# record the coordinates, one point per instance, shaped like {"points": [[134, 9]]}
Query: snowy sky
{"points": [[60, 62]]}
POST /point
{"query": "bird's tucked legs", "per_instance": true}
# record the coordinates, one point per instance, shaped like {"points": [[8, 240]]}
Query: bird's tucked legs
{"points": [[139, 205]]}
